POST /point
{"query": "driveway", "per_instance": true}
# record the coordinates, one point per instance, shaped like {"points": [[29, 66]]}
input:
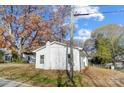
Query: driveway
{"points": [[9, 83]]}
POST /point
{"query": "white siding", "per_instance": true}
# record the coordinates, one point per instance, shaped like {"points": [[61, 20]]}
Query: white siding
{"points": [[84, 62], [55, 57], [38, 53]]}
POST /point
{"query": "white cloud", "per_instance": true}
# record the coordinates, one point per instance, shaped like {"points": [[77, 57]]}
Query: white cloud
{"points": [[89, 9], [83, 34], [121, 25]]}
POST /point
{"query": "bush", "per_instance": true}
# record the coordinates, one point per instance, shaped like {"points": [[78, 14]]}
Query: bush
{"points": [[16, 59], [1, 57], [14, 56]]}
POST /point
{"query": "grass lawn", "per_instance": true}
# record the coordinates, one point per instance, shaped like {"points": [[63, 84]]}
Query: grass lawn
{"points": [[27, 73], [91, 76]]}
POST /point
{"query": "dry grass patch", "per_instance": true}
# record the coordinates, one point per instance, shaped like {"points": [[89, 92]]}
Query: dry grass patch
{"points": [[91, 76], [27, 73]]}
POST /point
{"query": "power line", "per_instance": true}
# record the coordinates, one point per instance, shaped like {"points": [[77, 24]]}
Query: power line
{"points": [[105, 12], [86, 14]]}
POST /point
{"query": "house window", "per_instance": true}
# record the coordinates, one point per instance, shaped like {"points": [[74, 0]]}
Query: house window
{"points": [[69, 59], [69, 56], [7, 57], [29, 58], [42, 59]]}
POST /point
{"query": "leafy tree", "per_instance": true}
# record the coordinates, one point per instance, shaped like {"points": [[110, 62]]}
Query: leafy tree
{"points": [[14, 57], [24, 28], [103, 54], [115, 35]]}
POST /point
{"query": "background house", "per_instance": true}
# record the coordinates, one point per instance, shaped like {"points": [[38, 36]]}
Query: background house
{"points": [[53, 56], [7, 54], [28, 57]]}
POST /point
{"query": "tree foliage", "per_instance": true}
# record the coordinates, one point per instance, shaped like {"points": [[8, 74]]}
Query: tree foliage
{"points": [[115, 35], [103, 55], [1, 56], [23, 28]]}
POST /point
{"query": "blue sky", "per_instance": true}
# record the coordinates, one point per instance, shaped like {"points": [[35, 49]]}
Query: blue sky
{"points": [[87, 24]]}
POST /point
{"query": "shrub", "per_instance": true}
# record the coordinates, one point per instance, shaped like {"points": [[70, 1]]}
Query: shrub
{"points": [[16, 59], [1, 57]]}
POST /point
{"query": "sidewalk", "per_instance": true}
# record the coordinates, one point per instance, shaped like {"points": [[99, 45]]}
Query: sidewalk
{"points": [[10, 83]]}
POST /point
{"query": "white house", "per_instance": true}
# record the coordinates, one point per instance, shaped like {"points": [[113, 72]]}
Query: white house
{"points": [[53, 56]]}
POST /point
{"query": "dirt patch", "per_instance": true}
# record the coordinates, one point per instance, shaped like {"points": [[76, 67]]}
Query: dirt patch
{"points": [[103, 77]]}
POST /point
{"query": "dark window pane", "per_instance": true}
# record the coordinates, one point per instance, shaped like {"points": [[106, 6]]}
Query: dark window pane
{"points": [[69, 56], [42, 59]]}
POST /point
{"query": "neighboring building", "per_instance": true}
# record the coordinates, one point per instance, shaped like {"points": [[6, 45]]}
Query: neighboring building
{"points": [[29, 57], [7, 55], [53, 56]]}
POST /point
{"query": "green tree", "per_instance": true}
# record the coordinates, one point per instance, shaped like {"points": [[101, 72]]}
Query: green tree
{"points": [[114, 33], [1, 56], [103, 53], [15, 57]]}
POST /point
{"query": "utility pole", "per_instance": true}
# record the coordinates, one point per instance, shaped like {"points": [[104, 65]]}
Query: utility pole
{"points": [[71, 40], [71, 43]]}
